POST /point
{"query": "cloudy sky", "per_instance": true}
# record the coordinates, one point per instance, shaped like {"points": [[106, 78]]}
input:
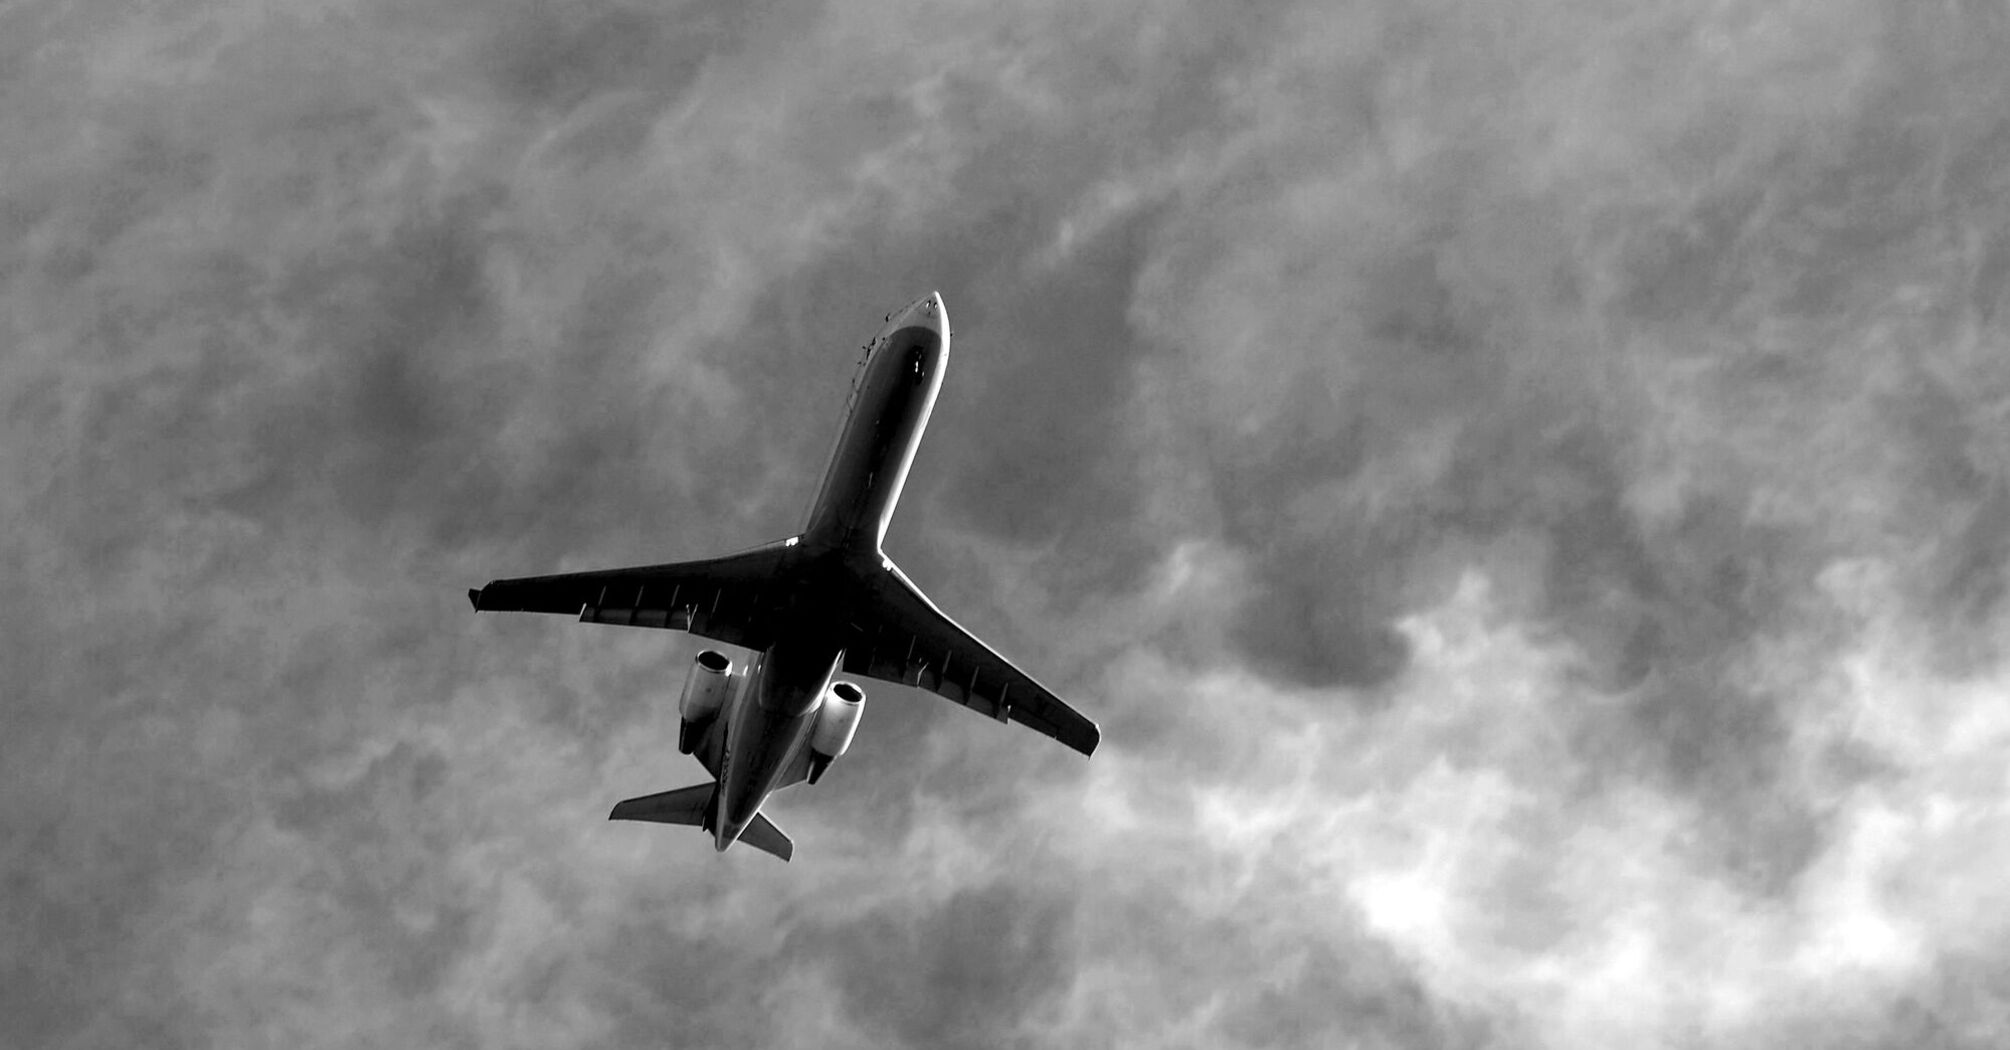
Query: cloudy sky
{"points": [[1524, 487]]}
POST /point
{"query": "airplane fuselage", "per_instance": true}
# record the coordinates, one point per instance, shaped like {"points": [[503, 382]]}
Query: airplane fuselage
{"points": [[891, 402], [769, 721]]}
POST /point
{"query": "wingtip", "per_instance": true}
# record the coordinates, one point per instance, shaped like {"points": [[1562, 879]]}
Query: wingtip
{"points": [[1085, 740], [475, 598]]}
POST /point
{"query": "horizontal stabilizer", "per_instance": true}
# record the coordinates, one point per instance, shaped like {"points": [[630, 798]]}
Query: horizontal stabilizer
{"points": [[682, 806], [763, 835]]}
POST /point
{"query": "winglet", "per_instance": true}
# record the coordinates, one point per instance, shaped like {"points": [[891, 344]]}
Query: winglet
{"points": [[475, 598]]}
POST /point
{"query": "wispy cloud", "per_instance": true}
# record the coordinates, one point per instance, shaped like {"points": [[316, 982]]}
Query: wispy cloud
{"points": [[1523, 490]]}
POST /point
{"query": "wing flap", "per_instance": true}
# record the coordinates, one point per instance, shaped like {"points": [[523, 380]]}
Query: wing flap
{"points": [[725, 599]]}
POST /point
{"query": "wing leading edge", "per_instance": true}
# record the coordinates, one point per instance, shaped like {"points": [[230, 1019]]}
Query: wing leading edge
{"points": [[898, 635], [724, 599]]}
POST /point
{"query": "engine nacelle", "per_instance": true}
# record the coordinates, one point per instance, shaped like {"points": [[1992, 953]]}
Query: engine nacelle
{"points": [[705, 692], [837, 720]]}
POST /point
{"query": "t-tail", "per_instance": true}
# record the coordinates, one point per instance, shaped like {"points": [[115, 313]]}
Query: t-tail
{"points": [[696, 806]]}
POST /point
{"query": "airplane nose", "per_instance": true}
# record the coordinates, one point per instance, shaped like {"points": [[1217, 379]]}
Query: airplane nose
{"points": [[925, 312]]}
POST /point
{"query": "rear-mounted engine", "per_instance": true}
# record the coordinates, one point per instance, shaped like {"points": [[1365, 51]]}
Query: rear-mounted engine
{"points": [[837, 720], [705, 693]]}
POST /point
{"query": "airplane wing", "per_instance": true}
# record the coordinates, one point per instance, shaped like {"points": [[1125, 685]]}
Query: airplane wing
{"points": [[725, 599], [898, 635]]}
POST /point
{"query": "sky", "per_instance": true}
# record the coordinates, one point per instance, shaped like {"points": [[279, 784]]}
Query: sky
{"points": [[1524, 488]]}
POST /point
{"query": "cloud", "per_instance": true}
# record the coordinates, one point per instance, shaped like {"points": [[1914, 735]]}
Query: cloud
{"points": [[1522, 492], [979, 965]]}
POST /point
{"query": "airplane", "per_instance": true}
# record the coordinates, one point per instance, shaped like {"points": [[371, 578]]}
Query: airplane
{"points": [[824, 602]]}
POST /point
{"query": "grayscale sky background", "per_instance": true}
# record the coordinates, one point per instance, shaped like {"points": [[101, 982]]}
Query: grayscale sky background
{"points": [[1522, 486]]}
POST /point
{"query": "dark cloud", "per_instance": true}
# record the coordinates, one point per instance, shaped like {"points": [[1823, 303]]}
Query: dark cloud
{"points": [[1070, 355], [551, 56], [1972, 580], [968, 971], [1524, 497], [686, 991], [1951, 463]]}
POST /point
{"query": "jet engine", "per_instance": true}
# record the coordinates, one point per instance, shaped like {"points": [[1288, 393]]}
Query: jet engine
{"points": [[705, 693], [837, 720]]}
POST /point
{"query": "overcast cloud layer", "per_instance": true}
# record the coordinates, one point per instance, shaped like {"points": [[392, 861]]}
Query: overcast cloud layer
{"points": [[1524, 487]]}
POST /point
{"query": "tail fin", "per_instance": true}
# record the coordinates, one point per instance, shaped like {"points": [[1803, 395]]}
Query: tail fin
{"points": [[691, 805], [763, 835]]}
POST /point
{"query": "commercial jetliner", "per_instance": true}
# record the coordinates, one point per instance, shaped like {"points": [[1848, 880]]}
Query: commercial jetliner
{"points": [[819, 604]]}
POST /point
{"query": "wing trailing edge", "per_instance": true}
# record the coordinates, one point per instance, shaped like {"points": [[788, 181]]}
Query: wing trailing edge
{"points": [[898, 635]]}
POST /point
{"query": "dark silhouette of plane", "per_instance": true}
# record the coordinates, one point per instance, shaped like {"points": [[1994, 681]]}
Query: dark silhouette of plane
{"points": [[825, 602]]}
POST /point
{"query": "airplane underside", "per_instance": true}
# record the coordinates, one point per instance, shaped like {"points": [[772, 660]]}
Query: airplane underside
{"points": [[694, 806], [824, 603]]}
